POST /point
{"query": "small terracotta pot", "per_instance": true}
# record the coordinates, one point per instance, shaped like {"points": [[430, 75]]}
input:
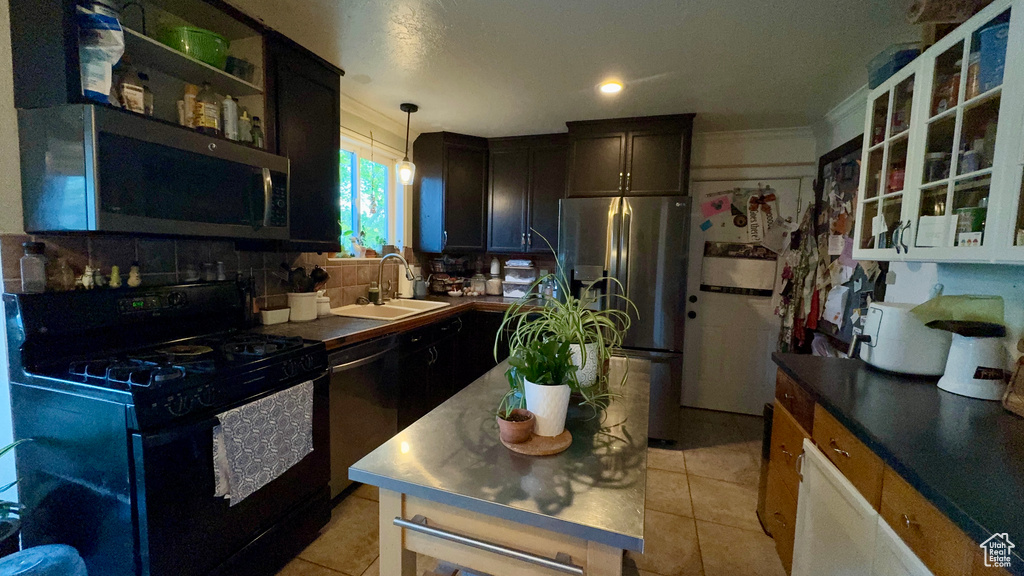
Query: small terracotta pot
{"points": [[516, 432]]}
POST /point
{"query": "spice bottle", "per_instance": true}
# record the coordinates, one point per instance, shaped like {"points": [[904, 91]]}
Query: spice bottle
{"points": [[207, 112], [257, 132], [189, 98], [33, 268]]}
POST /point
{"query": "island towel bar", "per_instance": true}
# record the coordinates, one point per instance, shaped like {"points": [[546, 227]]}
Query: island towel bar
{"points": [[419, 524]]}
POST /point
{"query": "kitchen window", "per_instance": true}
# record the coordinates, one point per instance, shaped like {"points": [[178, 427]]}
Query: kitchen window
{"points": [[368, 196]]}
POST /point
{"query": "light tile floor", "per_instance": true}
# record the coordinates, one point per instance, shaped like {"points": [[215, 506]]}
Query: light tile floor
{"points": [[700, 517]]}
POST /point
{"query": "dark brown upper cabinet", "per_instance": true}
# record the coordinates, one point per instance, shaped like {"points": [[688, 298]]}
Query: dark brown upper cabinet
{"points": [[449, 192], [647, 156], [527, 178], [304, 124], [299, 101]]}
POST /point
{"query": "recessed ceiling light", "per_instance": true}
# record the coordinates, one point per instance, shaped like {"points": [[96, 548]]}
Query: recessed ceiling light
{"points": [[611, 87]]}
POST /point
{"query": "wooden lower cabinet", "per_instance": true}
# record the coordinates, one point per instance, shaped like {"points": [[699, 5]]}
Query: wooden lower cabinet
{"points": [[780, 511], [978, 567], [786, 447], [795, 399], [861, 466], [940, 544]]}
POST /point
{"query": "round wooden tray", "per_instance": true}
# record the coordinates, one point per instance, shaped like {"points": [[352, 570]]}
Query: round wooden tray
{"points": [[542, 445]]}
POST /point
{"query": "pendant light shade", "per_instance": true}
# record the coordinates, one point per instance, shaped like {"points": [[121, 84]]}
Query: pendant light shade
{"points": [[407, 170]]}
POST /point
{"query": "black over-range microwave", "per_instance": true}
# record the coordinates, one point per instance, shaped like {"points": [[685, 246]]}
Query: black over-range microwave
{"points": [[98, 169]]}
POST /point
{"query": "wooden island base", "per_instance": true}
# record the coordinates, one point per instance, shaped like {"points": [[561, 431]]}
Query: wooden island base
{"points": [[399, 545]]}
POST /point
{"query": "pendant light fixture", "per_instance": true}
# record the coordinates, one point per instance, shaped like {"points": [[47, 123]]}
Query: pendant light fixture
{"points": [[406, 169]]}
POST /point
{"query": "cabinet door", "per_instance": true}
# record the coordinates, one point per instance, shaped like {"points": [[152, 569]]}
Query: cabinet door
{"points": [[893, 557], [597, 164], [306, 117], [465, 188], [414, 367], [548, 170], [658, 163], [835, 525], [885, 229], [510, 181], [961, 158], [443, 375]]}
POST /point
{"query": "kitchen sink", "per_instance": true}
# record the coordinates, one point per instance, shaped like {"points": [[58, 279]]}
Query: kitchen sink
{"points": [[418, 304], [392, 310]]}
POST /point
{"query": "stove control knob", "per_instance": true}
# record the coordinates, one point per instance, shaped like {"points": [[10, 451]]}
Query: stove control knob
{"points": [[205, 396], [177, 405], [290, 368], [176, 299], [307, 363]]}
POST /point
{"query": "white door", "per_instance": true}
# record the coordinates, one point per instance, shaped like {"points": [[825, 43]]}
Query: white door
{"points": [[730, 337], [835, 525], [893, 557]]}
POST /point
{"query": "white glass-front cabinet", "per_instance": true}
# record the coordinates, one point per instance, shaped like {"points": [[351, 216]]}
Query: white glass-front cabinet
{"points": [[941, 176]]}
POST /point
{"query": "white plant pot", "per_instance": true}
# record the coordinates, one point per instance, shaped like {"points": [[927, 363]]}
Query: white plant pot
{"points": [[587, 374], [302, 305], [549, 405]]}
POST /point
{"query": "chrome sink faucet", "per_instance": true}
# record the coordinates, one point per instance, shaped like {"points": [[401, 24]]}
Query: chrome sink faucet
{"points": [[380, 276]]}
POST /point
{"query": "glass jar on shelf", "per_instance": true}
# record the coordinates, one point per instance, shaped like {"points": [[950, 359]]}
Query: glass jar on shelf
{"points": [[33, 268]]}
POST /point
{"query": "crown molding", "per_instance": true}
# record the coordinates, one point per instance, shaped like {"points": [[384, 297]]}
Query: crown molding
{"points": [[748, 135], [351, 105], [852, 104]]}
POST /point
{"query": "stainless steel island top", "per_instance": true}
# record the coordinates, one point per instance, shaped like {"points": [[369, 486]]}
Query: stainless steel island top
{"points": [[595, 490]]}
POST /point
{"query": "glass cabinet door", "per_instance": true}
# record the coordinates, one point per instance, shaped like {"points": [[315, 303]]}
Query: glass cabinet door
{"points": [[960, 139], [882, 226]]}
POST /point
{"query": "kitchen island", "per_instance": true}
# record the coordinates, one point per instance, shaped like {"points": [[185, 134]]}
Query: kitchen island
{"points": [[450, 490]]}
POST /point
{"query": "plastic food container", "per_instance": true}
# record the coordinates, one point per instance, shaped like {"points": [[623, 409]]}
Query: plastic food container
{"points": [[890, 61], [240, 68], [517, 274], [515, 289], [274, 316], [203, 45], [993, 56], [936, 166]]}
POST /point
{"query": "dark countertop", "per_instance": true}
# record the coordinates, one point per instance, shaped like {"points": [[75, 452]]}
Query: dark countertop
{"points": [[964, 455], [595, 490], [338, 331]]}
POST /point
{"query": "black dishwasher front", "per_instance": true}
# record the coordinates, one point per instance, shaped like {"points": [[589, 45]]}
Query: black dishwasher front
{"points": [[364, 403]]}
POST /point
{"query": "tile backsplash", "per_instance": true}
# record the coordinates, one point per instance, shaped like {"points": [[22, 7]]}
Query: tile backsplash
{"points": [[165, 261]]}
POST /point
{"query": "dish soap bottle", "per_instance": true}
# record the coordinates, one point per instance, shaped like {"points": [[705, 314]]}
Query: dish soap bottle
{"points": [[207, 114]]}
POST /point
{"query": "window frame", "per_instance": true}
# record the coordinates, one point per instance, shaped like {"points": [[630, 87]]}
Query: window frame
{"points": [[360, 147]]}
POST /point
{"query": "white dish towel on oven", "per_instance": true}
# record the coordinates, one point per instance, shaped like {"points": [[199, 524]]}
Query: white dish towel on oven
{"points": [[257, 442]]}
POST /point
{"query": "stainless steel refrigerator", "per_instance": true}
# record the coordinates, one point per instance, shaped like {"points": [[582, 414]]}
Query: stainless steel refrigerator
{"points": [[641, 242]]}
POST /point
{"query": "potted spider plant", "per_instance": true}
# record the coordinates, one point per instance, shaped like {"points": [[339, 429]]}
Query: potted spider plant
{"points": [[515, 422], [546, 370], [593, 324]]}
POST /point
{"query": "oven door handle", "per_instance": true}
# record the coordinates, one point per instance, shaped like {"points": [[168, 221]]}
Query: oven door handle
{"points": [[360, 362]]}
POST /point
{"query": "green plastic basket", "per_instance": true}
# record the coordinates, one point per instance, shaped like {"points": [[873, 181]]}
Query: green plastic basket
{"points": [[203, 45]]}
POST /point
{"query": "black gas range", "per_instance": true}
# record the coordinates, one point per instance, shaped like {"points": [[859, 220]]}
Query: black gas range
{"points": [[119, 391]]}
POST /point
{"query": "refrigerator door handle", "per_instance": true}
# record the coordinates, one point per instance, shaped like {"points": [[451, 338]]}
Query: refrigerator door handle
{"points": [[622, 274], [611, 263]]}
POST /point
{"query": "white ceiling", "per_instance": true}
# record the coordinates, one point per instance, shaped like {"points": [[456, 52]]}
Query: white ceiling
{"points": [[506, 67]]}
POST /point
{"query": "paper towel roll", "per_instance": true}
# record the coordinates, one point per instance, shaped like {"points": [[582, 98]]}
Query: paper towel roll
{"points": [[924, 11]]}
